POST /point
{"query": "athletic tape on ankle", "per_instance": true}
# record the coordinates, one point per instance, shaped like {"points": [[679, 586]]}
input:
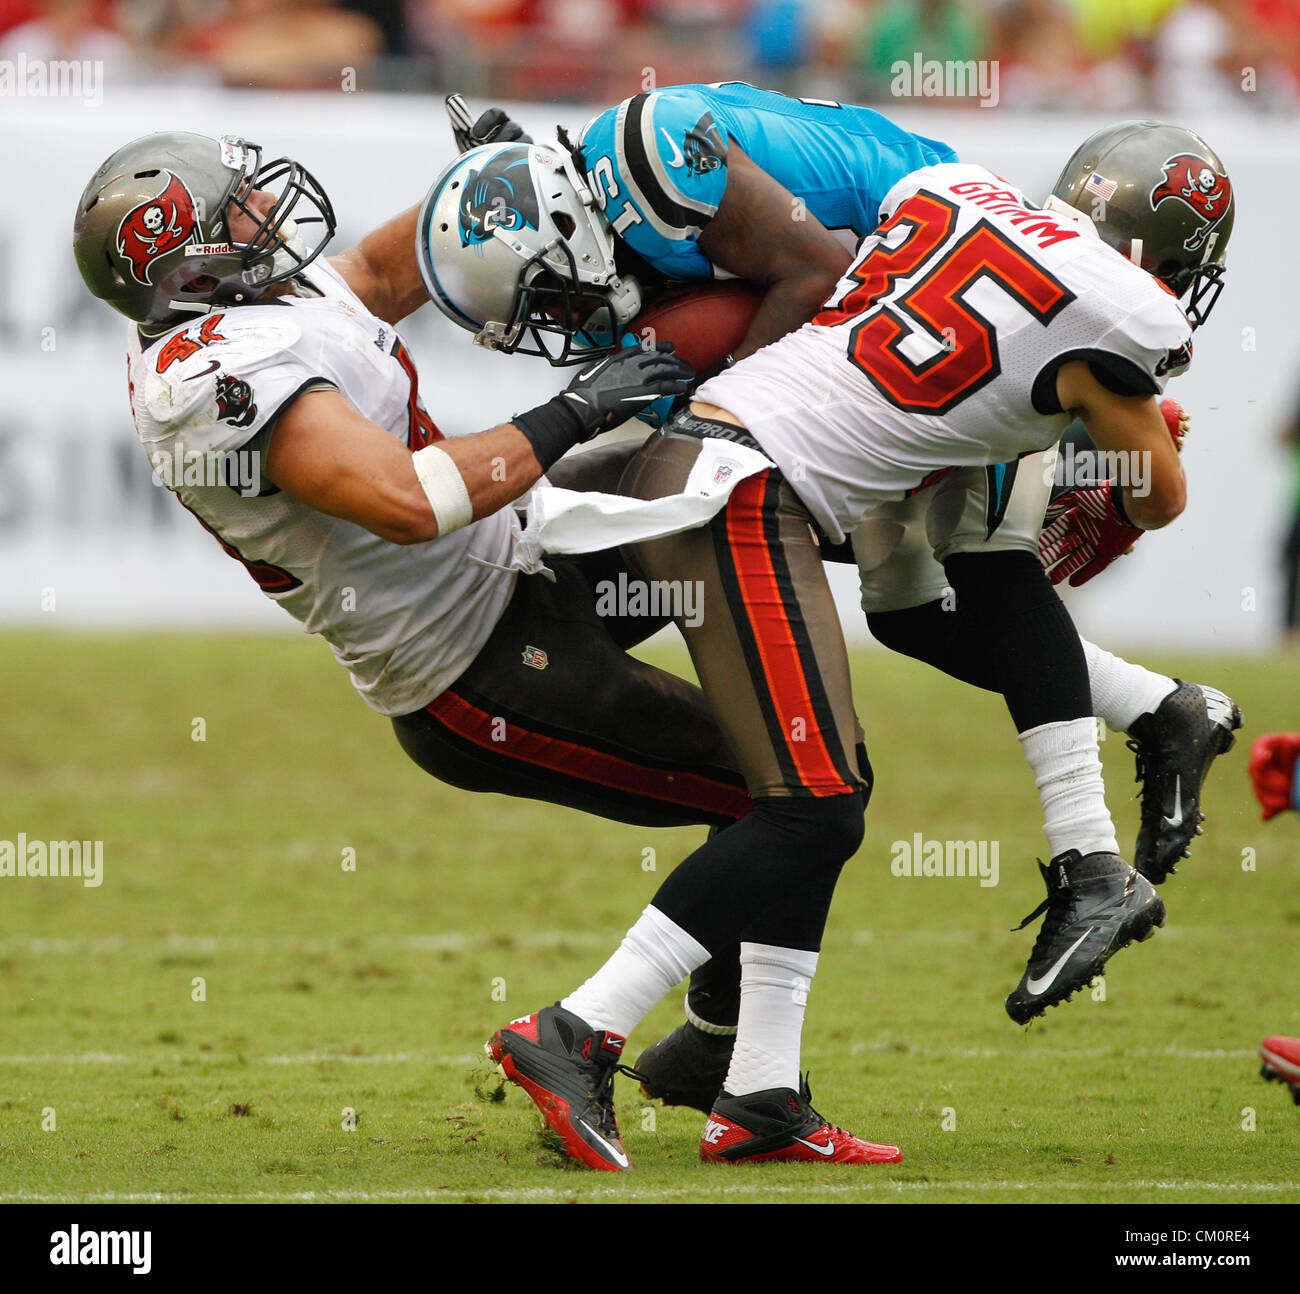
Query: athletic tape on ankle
{"points": [[444, 487]]}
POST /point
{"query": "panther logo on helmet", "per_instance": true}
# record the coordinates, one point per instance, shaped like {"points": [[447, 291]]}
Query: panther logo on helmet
{"points": [[498, 196], [1192, 180], [156, 227]]}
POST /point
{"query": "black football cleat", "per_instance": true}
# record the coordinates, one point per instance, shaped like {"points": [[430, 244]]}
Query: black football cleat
{"points": [[1175, 746], [1281, 1057], [780, 1125], [688, 1067], [568, 1069], [1096, 904]]}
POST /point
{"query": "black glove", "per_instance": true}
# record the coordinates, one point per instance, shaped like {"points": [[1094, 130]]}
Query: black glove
{"points": [[493, 127], [603, 395]]}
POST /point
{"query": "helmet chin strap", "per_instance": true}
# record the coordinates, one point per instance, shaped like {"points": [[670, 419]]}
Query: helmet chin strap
{"points": [[284, 262], [625, 296]]}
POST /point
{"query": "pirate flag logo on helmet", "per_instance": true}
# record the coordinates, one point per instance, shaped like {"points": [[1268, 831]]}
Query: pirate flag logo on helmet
{"points": [[1191, 179], [156, 227]]}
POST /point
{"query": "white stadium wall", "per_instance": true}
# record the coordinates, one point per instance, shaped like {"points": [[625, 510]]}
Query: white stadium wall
{"points": [[79, 516]]}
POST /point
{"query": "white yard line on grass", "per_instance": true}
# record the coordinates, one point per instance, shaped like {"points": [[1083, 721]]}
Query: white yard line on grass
{"points": [[209, 1057], [461, 940], [759, 1189], [448, 941], [429, 1058], [1077, 1053]]}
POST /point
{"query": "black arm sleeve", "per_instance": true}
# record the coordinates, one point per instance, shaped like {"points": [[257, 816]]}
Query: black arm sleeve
{"points": [[1116, 373]]}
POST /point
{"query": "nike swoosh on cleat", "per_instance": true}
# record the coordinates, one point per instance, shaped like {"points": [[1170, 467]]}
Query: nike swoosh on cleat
{"points": [[1219, 708], [618, 1156], [827, 1150], [1176, 819], [1037, 986], [676, 160]]}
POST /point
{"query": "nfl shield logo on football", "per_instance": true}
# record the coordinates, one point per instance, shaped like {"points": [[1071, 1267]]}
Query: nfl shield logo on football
{"points": [[536, 657], [722, 473]]}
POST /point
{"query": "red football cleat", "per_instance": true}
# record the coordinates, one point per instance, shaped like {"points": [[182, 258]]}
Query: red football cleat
{"points": [[1281, 1057], [780, 1125], [568, 1069]]}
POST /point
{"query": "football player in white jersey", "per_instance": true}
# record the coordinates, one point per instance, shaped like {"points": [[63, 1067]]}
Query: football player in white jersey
{"points": [[274, 396], [700, 180], [972, 327], [985, 521]]}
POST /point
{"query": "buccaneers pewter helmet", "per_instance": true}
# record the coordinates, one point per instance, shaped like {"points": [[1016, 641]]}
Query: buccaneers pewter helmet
{"points": [[1159, 195], [512, 246], [152, 236]]}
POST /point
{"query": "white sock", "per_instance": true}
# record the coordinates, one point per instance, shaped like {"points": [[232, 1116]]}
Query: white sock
{"points": [[1067, 773], [654, 955], [774, 985], [1121, 691]]}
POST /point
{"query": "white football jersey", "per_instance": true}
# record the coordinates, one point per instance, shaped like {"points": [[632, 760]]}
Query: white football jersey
{"points": [[940, 347], [404, 620]]}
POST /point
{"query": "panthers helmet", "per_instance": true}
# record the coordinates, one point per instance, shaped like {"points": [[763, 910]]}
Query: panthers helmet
{"points": [[1161, 197], [512, 246], [152, 234]]}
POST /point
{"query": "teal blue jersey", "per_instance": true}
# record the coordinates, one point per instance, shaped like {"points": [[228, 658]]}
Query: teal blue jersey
{"points": [[657, 163]]}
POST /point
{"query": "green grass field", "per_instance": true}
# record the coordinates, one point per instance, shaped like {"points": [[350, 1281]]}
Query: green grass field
{"points": [[372, 990]]}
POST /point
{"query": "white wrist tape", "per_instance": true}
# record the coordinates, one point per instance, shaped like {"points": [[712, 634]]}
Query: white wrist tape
{"points": [[444, 487]]}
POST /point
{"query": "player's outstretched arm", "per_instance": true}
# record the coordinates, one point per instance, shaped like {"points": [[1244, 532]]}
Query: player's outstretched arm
{"points": [[327, 455], [382, 270], [1156, 491], [762, 233]]}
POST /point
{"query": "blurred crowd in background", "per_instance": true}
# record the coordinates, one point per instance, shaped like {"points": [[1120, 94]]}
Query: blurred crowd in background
{"points": [[1163, 54]]}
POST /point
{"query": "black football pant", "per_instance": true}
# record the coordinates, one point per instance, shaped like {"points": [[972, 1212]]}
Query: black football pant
{"points": [[553, 708]]}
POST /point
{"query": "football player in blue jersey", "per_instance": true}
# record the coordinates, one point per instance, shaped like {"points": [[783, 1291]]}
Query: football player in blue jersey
{"points": [[696, 182], [700, 181]]}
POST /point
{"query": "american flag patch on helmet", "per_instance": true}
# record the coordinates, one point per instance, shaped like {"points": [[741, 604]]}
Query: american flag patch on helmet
{"points": [[1101, 186]]}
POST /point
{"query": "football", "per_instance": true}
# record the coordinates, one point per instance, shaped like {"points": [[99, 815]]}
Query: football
{"points": [[705, 323], [1176, 420]]}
